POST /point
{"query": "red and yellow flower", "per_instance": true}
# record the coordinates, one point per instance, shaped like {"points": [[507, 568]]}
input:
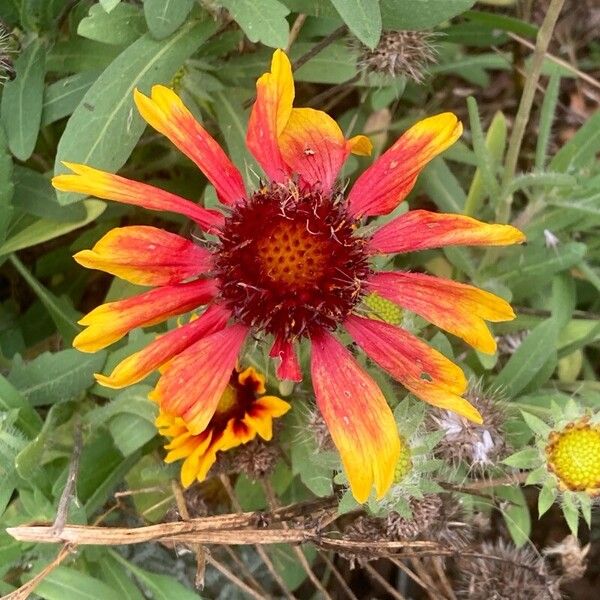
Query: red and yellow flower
{"points": [[293, 263], [242, 413]]}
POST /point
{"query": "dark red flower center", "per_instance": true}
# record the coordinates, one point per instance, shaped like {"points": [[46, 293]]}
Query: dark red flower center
{"points": [[289, 262]]}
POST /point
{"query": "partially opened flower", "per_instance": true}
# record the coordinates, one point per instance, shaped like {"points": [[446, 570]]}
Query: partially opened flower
{"points": [[242, 413], [292, 262]]}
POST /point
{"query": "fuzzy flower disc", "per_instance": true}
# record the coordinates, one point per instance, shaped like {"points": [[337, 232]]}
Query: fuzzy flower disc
{"points": [[573, 455]]}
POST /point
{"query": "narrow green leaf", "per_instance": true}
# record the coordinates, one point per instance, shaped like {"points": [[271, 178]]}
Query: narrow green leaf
{"points": [[28, 419], [527, 458], [109, 5], [536, 424], [116, 576], [546, 498], [164, 17], [60, 309], [262, 20], [484, 159], [570, 512], [21, 109], [580, 149], [67, 582], [78, 55], [35, 195], [105, 127], [495, 143], [162, 587], [516, 513], [546, 120], [43, 230], [363, 18], [529, 358]]}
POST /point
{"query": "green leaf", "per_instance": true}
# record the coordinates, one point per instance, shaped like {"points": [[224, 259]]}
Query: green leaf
{"points": [[43, 230], [21, 109], [526, 458], [105, 127], [546, 498], [546, 118], [62, 97], [440, 184], [570, 512], [363, 18], [516, 513], [232, 119], [420, 14], [580, 149], [262, 20], [529, 358], [122, 26], [109, 5], [28, 419], [67, 582], [161, 587], [6, 185], [55, 377], [166, 16], [536, 425], [116, 576], [79, 54], [35, 195], [60, 309], [286, 563], [495, 142]]}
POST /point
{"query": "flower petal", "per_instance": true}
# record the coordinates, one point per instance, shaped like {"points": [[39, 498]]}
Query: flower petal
{"points": [[421, 229], [194, 381], [392, 176], [109, 186], [260, 415], [313, 146], [139, 365], [146, 256], [360, 421], [428, 374], [269, 116], [289, 367], [455, 307], [110, 322], [165, 111]]}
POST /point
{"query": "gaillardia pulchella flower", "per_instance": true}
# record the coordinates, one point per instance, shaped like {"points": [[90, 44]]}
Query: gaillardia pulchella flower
{"points": [[292, 262], [243, 411]]}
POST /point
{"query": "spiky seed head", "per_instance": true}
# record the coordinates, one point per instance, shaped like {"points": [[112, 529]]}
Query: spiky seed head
{"points": [[318, 428], [504, 572], [572, 557], [256, 458], [401, 53], [477, 446]]}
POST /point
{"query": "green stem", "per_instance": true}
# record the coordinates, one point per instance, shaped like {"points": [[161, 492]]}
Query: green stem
{"points": [[516, 138]]}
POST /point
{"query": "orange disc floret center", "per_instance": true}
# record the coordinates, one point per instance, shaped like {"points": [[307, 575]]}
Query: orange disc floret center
{"points": [[290, 255], [289, 262], [573, 455]]}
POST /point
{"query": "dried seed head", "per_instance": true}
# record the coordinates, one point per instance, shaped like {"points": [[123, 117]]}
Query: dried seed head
{"points": [[504, 572], [477, 446], [508, 344], [319, 430], [573, 557], [401, 53], [9, 46], [256, 458]]}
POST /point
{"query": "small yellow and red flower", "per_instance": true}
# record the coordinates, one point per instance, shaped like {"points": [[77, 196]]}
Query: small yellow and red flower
{"points": [[573, 455], [243, 412], [292, 262]]}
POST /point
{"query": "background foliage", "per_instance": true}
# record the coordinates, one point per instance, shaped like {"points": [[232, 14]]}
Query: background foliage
{"points": [[76, 65]]}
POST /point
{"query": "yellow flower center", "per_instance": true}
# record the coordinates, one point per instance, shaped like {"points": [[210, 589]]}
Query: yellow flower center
{"points": [[292, 256], [573, 455], [404, 464]]}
